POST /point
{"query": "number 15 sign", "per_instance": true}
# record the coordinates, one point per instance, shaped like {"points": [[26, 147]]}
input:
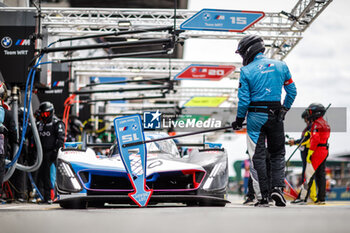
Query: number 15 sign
{"points": [[222, 20]]}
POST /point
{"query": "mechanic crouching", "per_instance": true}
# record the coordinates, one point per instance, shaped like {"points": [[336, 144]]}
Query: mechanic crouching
{"points": [[259, 94], [52, 132]]}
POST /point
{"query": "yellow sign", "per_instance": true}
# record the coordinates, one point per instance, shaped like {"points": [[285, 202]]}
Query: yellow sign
{"points": [[205, 101]]}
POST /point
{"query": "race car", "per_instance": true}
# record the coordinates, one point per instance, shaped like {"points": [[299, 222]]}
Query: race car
{"points": [[85, 179]]}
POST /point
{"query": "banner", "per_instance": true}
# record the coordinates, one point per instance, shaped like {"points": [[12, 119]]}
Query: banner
{"points": [[205, 101], [16, 46], [129, 129]]}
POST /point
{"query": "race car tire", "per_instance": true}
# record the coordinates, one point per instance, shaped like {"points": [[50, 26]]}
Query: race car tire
{"points": [[191, 204], [205, 204], [96, 204], [209, 204], [75, 204]]}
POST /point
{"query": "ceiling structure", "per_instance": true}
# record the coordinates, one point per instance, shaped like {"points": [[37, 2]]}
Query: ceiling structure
{"points": [[280, 30]]}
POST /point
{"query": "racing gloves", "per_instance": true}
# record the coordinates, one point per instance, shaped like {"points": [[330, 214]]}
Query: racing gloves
{"points": [[237, 125], [282, 114], [309, 154]]}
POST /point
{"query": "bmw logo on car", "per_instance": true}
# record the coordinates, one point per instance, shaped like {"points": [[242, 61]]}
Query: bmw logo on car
{"points": [[6, 42]]}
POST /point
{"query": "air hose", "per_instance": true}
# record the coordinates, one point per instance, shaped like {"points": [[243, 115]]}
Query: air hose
{"points": [[12, 165]]}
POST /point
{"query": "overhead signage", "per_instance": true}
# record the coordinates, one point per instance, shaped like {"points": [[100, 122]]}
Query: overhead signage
{"points": [[108, 80], [222, 20], [205, 72], [129, 129], [205, 101], [16, 46]]}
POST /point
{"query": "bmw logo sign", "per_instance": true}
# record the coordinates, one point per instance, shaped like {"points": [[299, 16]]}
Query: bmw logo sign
{"points": [[206, 16], [6, 42]]}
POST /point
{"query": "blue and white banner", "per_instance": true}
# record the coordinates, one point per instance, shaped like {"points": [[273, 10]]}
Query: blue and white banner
{"points": [[222, 20], [129, 129]]}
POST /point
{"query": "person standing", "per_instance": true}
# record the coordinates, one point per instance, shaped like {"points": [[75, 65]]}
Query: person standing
{"points": [[317, 154], [260, 89], [2, 151], [304, 143], [246, 167], [8, 134], [18, 179], [75, 128], [51, 131]]}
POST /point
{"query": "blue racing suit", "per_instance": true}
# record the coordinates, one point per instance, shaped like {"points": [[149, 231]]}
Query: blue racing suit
{"points": [[259, 94]]}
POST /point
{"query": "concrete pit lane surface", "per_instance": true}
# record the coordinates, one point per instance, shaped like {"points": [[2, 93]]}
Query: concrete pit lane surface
{"points": [[31, 218]]}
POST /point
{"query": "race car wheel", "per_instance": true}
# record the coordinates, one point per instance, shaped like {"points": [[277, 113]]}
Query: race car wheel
{"points": [[206, 204], [73, 204], [212, 204], [96, 204], [192, 204]]}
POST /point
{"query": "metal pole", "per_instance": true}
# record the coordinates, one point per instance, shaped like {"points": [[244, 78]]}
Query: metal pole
{"points": [[111, 56], [117, 33], [130, 81], [125, 44], [301, 141], [176, 136], [160, 87], [122, 99]]}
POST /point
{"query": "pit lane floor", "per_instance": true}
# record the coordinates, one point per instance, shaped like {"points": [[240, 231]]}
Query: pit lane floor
{"points": [[27, 218]]}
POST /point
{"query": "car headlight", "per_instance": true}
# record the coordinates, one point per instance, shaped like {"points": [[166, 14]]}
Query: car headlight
{"points": [[66, 179]]}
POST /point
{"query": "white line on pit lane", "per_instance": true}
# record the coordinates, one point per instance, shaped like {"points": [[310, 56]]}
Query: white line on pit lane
{"points": [[11, 207], [28, 206]]}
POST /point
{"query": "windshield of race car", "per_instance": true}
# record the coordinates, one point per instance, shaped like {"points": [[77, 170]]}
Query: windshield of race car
{"points": [[166, 147], [161, 147]]}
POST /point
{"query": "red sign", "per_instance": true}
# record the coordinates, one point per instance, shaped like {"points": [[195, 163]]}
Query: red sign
{"points": [[205, 72]]}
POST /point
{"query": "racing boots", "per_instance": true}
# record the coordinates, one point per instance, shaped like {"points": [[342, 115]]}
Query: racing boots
{"points": [[318, 202], [249, 201], [298, 201], [262, 203], [2, 200], [277, 196]]}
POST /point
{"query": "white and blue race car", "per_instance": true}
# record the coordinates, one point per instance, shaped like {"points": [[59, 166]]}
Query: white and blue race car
{"points": [[199, 178]]}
